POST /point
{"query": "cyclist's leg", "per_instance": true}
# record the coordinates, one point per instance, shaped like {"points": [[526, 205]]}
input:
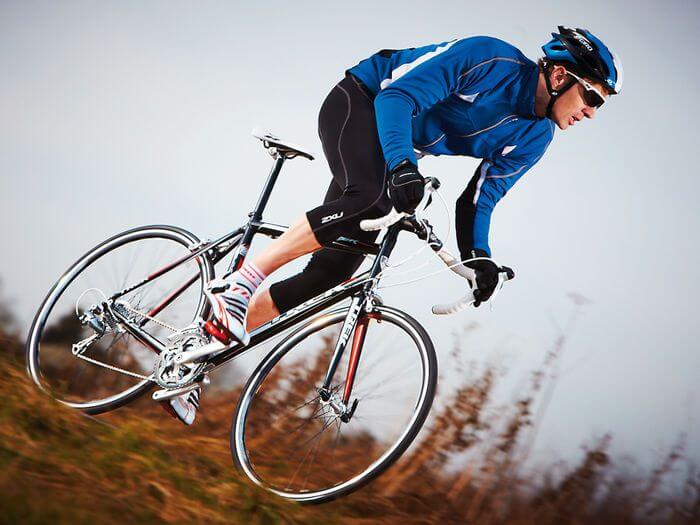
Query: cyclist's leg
{"points": [[348, 132], [262, 306], [286, 294], [326, 269], [351, 146]]}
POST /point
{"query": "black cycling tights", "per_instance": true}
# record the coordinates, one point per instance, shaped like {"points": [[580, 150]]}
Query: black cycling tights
{"points": [[348, 132]]}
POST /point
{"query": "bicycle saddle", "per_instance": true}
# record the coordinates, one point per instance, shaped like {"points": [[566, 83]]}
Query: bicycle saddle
{"points": [[287, 149]]}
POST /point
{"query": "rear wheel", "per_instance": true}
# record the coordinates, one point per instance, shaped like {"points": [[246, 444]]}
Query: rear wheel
{"points": [[123, 362], [289, 441]]}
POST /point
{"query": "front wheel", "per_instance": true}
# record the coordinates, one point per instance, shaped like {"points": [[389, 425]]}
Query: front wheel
{"points": [[286, 439]]}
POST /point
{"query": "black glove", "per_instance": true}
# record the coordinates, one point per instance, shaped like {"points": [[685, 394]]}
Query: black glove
{"points": [[406, 187], [486, 275]]}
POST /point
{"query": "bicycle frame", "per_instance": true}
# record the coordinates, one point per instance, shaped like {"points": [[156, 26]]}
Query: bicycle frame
{"points": [[360, 288]]}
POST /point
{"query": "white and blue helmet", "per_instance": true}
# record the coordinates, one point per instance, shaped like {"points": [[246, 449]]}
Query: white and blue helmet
{"points": [[589, 56]]}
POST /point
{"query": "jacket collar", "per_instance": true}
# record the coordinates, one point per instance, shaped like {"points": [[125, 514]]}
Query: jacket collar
{"points": [[525, 93]]}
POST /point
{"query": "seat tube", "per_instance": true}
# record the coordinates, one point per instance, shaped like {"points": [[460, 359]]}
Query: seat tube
{"points": [[345, 332], [256, 216]]}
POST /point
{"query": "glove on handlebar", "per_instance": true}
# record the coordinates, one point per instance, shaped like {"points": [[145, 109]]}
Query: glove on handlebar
{"points": [[406, 187], [486, 276]]}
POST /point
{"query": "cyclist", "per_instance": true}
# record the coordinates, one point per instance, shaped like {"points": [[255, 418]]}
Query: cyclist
{"points": [[478, 97]]}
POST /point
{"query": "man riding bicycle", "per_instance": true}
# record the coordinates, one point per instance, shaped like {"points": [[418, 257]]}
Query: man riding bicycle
{"points": [[478, 97]]}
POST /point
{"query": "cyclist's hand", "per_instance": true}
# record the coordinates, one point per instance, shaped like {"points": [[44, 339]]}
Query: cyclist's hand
{"points": [[486, 276], [406, 187]]}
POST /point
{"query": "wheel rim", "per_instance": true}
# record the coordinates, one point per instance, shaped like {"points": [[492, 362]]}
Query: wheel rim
{"points": [[67, 378], [358, 453]]}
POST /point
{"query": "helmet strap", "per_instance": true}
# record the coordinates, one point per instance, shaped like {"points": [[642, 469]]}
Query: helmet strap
{"points": [[553, 93]]}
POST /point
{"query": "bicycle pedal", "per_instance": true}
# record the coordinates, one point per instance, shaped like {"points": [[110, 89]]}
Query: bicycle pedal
{"points": [[218, 287], [217, 332], [169, 393]]}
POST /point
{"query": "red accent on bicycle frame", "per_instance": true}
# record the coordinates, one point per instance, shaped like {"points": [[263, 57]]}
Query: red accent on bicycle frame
{"points": [[240, 257], [217, 332], [169, 267], [174, 295], [357, 342]]}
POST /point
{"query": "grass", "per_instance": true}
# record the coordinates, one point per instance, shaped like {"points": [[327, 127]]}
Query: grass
{"points": [[138, 466]]}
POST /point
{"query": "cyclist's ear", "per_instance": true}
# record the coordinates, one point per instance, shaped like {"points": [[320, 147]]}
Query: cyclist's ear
{"points": [[557, 76]]}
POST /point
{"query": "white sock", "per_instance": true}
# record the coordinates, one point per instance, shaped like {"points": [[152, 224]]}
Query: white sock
{"points": [[244, 282]]}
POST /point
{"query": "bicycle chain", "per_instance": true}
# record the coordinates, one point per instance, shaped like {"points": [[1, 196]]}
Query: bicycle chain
{"points": [[128, 307], [113, 368]]}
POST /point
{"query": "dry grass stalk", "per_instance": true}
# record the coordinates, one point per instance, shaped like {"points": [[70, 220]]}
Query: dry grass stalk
{"points": [[453, 429]]}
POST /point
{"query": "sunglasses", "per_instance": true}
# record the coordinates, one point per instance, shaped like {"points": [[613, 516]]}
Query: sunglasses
{"points": [[591, 96]]}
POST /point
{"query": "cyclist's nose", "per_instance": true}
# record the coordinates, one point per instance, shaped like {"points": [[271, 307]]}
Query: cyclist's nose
{"points": [[589, 112]]}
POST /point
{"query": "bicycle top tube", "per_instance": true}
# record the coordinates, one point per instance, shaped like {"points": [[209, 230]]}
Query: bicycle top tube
{"points": [[346, 244]]}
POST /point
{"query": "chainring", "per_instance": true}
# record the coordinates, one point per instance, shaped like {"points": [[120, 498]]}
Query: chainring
{"points": [[169, 374]]}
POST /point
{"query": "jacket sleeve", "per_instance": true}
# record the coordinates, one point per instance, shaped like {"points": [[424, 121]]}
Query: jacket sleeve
{"points": [[474, 207], [415, 88]]}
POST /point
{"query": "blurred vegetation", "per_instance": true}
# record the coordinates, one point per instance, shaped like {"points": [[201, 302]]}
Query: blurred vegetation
{"points": [[137, 465]]}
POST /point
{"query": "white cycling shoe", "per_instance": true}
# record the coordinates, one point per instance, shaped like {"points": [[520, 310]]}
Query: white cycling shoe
{"points": [[184, 407], [229, 301]]}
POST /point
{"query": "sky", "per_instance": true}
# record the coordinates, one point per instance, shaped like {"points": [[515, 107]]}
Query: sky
{"points": [[118, 114]]}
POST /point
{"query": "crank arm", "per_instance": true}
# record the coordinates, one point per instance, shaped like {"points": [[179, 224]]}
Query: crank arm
{"points": [[197, 354], [169, 393]]}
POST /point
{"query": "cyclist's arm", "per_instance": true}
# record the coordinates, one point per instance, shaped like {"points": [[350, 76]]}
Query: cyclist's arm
{"points": [[493, 178], [465, 66], [474, 207]]}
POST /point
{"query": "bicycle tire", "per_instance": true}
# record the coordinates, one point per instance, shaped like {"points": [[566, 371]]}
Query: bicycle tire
{"points": [[401, 319]]}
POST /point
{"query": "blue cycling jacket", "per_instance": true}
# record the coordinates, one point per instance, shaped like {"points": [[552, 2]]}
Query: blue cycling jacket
{"points": [[473, 96]]}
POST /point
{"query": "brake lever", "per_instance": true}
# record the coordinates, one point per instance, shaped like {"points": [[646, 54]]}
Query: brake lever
{"points": [[505, 274]]}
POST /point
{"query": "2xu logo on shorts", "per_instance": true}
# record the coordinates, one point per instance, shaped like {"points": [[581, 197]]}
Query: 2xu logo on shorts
{"points": [[333, 217]]}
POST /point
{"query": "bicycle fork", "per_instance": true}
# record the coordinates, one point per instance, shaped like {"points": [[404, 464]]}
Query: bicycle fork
{"points": [[355, 324]]}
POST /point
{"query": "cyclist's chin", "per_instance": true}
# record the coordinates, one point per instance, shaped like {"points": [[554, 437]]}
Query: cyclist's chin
{"points": [[562, 122]]}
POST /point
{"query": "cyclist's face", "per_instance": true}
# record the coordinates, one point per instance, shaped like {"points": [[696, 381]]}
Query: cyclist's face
{"points": [[571, 107]]}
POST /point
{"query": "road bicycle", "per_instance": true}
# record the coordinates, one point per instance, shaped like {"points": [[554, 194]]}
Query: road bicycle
{"points": [[334, 403]]}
